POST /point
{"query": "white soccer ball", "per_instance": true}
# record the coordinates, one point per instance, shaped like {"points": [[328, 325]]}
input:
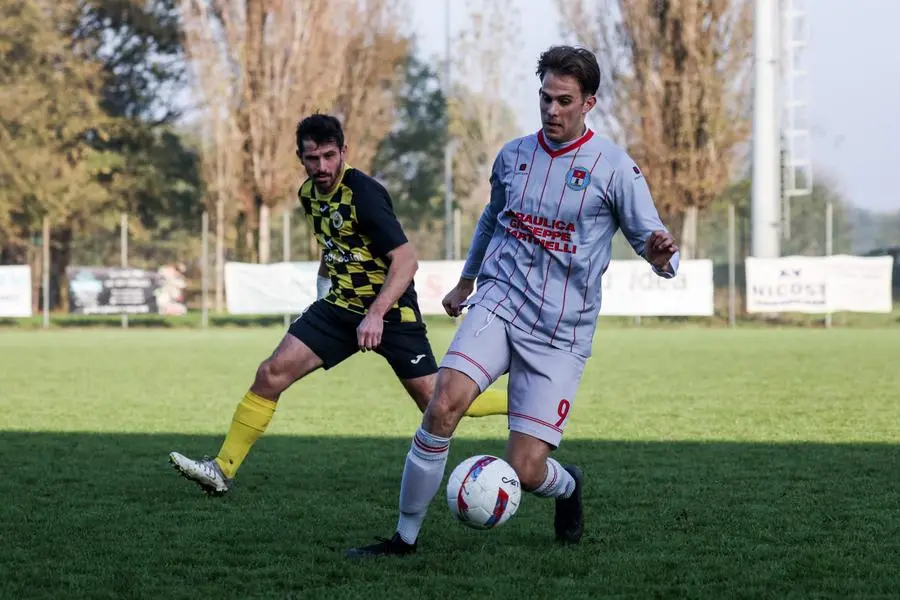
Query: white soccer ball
{"points": [[483, 491]]}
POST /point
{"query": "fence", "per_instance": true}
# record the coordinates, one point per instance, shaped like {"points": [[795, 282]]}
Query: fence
{"points": [[819, 286]]}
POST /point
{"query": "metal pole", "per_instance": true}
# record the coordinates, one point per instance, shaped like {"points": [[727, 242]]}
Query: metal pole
{"points": [[204, 271], [829, 240], [45, 272], [123, 232], [286, 244], [732, 251], [766, 194], [220, 253], [448, 152], [457, 233]]}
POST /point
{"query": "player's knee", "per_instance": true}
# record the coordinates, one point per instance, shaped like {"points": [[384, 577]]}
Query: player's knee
{"points": [[531, 471], [453, 394], [270, 377], [444, 413]]}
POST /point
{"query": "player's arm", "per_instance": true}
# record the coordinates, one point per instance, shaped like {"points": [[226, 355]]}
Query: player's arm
{"points": [[455, 299], [379, 223], [640, 222], [487, 223], [401, 271], [323, 282]]}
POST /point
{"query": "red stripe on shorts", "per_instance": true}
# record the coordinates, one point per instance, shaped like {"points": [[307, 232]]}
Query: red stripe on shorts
{"points": [[471, 360]]}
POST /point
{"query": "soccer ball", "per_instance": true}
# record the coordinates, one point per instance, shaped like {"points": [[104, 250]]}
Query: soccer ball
{"points": [[483, 491]]}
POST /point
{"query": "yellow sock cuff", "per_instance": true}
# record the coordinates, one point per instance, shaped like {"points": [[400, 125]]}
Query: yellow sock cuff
{"points": [[255, 411], [256, 399]]}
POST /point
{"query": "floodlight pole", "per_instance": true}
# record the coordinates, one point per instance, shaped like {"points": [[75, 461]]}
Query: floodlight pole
{"points": [[448, 149], [766, 192]]}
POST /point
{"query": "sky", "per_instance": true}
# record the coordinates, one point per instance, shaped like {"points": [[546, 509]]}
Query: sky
{"points": [[854, 59]]}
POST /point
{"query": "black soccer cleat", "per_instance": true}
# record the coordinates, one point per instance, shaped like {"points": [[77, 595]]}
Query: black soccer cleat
{"points": [[569, 519], [385, 547]]}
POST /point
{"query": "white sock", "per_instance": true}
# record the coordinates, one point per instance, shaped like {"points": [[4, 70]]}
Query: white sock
{"points": [[422, 477], [558, 483]]}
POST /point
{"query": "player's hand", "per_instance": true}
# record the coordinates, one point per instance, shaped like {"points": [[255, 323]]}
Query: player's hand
{"points": [[659, 249], [454, 299], [368, 334]]}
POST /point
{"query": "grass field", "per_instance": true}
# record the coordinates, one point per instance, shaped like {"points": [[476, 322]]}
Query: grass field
{"points": [[720, 464]]}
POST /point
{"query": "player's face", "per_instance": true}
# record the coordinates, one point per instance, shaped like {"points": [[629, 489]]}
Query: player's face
{"points": [[323, 163], [563, 107]]}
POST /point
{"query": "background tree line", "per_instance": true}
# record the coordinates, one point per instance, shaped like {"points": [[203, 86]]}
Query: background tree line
{"points": [[165, 109]]}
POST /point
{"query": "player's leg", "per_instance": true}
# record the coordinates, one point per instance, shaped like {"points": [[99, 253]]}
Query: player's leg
{"points": [[543, 382], [408, 350], [477, 357], [319, 337], [492, 401], [405, 347]]}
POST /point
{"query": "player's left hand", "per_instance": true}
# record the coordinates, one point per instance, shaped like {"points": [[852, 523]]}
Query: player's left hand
{"points": [[659, 248], [368, 334]]}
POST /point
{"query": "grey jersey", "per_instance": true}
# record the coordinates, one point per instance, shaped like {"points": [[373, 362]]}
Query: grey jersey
{"points": [[544, 240]]}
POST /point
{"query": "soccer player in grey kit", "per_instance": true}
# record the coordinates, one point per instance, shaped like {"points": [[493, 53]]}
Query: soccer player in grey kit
{"points": [[538, 253]]}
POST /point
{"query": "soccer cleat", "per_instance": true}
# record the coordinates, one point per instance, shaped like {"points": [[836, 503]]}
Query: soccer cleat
{"points": [[205, 473], [569, 519], [385, 547]]}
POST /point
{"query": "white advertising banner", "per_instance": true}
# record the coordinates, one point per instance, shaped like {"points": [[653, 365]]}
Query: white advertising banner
{"points": [[819, 284], [631, 288], [269, 289], [15, 291], [433, 280], [288, 288], [787, 284], [860, 283]]}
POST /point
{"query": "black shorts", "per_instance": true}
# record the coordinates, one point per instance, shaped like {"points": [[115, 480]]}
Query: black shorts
{"points": [[330, 332]]}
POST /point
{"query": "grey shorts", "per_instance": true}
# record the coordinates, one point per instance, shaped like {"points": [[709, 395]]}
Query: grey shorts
{"points": [[543, 379]]}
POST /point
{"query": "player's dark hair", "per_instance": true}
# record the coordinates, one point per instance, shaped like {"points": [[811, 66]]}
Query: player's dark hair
{"points": [[320, 129], [579, 63]]}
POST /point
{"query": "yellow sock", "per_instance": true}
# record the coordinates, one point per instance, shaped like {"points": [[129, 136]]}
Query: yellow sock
{"points": [[490, 402], [251, 417]]}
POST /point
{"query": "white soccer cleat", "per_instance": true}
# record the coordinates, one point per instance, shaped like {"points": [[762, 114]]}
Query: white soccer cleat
{"points": [[205, 473]]}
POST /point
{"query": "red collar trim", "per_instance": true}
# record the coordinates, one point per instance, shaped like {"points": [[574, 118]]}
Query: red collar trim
{"points": [[555, 153]]}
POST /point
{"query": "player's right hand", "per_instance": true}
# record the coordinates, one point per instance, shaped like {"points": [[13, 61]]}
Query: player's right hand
{"points": [[453, 302]]}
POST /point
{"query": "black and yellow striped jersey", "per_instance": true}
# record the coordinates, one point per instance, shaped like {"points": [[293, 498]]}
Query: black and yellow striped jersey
{"points": [[356, 227]]}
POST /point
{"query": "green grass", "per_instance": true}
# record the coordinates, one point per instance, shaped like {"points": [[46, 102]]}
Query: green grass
{"points": [[720, 464]]}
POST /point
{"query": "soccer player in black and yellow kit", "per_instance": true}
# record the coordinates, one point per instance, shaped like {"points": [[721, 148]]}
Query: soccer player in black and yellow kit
{"points": [[370, 304]]}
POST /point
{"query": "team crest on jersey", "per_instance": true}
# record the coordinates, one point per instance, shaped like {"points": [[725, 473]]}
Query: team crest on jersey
{"points": [[578, 178], [337, 221]]}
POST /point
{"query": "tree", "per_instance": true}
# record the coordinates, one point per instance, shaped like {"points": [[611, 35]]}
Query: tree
{"points": [[376, 56], [873, 230], [213, 83], [139, 44], [675, 92], [410, 159], [481, 120], [51, 130], [278, 60]]}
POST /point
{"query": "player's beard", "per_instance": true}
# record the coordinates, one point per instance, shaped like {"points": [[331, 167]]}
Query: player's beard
{"points": [[325, 181]]}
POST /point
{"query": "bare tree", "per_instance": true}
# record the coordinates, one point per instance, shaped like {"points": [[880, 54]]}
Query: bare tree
{"points": [[481, 120], [283, 59], [675, 92], [373, 74], [216, 90]]}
